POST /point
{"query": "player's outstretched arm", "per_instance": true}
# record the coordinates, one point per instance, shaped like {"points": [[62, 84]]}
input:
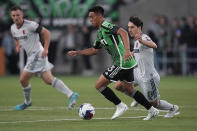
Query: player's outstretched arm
{"points": [[89, 51]]}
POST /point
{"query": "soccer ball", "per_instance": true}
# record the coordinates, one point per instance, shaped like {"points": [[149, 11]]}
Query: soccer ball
{"points": [[86, 111]]}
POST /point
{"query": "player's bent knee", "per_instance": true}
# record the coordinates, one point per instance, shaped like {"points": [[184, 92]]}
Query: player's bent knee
{"points": [[48, 82], [24, 82], [117, 85]]}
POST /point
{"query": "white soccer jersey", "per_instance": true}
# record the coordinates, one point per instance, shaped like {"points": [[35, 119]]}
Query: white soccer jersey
{"points": [[27, 36], [145, 59]]}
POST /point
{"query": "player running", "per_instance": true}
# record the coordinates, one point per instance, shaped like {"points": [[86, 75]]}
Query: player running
{"points": [[145, 75], [26, 35], [116, 41]]}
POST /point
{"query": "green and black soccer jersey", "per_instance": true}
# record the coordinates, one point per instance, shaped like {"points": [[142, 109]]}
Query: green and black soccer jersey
{"points": [[108, 38]]}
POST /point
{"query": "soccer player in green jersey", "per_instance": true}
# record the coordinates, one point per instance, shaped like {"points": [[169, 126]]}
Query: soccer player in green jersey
{"points": [[116, 41]]}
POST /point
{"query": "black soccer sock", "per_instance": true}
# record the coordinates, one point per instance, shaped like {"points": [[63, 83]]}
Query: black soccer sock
{"points": [[139, 97], [110, 95]]}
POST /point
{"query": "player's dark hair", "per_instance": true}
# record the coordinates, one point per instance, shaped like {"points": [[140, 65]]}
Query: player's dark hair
{"points": [[136, 21], [97, 10], [14, 8]]}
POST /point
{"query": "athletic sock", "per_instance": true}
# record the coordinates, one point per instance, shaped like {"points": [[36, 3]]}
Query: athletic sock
{"points": [[164, 105], [60, 86], [139, 97], [27, 94], [110, 95]]}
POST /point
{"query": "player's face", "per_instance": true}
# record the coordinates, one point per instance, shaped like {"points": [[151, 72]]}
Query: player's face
{"points": [[17, 17], [94, 19], [133, 29]]}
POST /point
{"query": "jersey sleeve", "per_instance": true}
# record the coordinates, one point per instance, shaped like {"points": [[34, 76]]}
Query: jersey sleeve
{"points": [[110, 27], [11, 30], [35, 27], [146, 38]]}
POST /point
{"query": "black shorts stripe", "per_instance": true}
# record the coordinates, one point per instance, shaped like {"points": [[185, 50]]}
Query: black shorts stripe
{"points": [[115, 73]]}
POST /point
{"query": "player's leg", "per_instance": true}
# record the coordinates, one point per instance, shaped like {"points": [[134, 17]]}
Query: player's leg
{"points": [[101, 86], [172, 109], [151, 92], [134, 103], [49, 79], [24, 80], [129, 90]]}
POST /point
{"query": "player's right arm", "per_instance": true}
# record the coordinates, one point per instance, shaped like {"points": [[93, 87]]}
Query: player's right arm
{"points": [[17, 45], [89, 51]]}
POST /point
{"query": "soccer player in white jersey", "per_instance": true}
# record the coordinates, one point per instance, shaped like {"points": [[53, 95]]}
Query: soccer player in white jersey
{"points": [[145, 75], [26, 35]]}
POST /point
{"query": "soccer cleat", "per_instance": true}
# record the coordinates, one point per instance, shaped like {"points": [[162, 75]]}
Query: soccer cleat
{"points": [[72, 100], [172, 112], [152, 112], [120, 109], [134, 103], [22, 106]]}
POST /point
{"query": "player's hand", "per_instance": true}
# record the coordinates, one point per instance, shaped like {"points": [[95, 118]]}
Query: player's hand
{"points": [[132, 53], [44, 53], [72, 53], [18, 49], [138, 37], [127, 56]]}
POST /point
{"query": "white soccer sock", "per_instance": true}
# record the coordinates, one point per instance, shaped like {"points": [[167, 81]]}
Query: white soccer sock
{"points": [[164, 105], [27, 94], [60, 86]]}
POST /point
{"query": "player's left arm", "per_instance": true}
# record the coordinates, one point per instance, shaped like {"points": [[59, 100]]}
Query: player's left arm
{"points": [[46, 35], [125, 38]]}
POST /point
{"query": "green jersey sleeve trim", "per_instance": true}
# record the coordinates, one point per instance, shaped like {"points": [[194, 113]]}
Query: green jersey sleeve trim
{"points": [[97, 45]]}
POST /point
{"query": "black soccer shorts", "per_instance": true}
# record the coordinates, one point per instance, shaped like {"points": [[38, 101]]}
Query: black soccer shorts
{"points": [[115, 73]]}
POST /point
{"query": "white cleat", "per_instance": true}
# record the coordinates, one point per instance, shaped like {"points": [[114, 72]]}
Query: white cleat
{"points": [[174, 111], [134, 103], [152, 112], [120, 109]]}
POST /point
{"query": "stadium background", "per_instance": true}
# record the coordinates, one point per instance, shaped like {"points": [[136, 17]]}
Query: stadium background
{"points": [[67, 21], [70, 28]]}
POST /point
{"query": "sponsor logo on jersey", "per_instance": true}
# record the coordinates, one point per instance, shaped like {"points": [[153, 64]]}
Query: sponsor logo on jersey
{"points": [[136, 51], [21, 37]]}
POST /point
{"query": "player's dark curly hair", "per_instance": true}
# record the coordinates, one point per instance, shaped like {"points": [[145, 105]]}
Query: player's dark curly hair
{"points": [[97, 10], [14, 8], [136, 21]]}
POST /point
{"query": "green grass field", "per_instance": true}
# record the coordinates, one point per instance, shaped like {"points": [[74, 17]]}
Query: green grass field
{"points": [[49, 111]]}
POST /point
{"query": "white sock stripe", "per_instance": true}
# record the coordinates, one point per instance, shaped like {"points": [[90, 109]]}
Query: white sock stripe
{"points": [[102, 89]]}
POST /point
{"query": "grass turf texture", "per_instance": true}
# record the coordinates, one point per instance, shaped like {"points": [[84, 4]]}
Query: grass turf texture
{"points": [[49, 111]]}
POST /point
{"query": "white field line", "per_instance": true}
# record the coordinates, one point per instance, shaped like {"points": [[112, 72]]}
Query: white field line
{"points": [[37, 121], [10, 108]]}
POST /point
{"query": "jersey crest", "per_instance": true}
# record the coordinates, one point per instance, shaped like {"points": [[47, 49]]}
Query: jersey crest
{"points": [[23, 32]]}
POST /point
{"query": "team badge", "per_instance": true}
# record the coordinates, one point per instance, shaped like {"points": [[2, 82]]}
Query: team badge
{"points": [[136, 44], [23, 32]]}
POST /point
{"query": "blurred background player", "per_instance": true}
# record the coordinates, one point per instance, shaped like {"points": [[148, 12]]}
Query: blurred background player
{"points": [[116, 41], [145, 75], [26, 35]]}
